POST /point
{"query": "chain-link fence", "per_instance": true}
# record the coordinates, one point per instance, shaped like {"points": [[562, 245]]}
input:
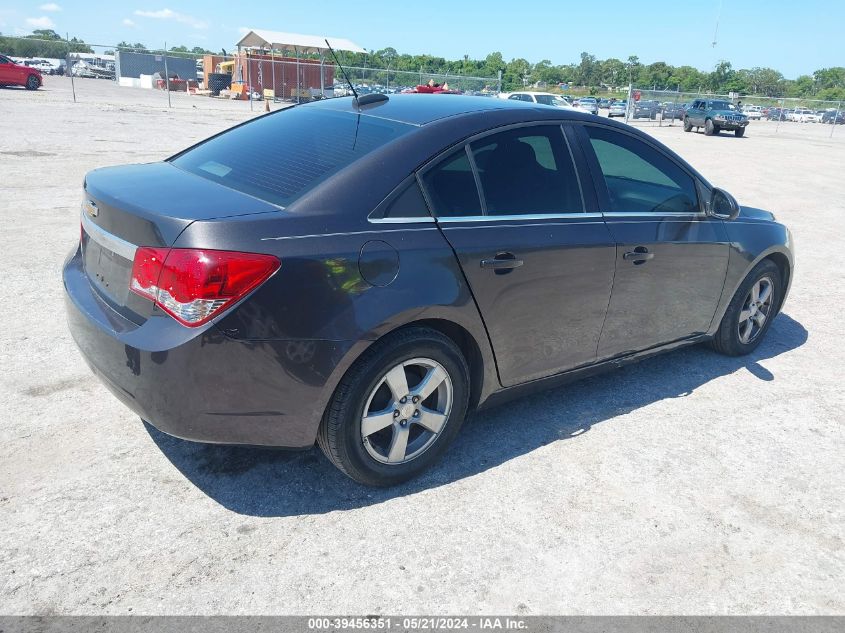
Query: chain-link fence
{"points": [[645, 107], [254, 78], [92, 72]]}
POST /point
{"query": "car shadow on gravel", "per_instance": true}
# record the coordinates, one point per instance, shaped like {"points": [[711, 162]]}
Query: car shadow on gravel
{"points": [[269, 482]]}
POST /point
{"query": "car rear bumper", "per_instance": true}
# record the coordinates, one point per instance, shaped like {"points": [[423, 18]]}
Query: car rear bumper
{"points": [[199, 384]]}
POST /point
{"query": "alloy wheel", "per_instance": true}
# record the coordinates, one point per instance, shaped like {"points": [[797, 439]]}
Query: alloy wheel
{"points": [[755, 310], [406, 411]]}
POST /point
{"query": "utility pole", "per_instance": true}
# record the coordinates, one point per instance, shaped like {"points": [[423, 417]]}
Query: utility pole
{"points": [[166, 76], [68, 66]]}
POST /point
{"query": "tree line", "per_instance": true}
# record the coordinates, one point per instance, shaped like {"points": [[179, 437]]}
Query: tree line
{"points": [[597, 74], [47, 43], [589, 73]]}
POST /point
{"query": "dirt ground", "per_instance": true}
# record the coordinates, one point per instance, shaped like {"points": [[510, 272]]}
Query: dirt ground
{"points": [[688, 484]]}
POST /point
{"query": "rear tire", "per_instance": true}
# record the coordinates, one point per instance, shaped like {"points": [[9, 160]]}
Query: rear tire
{"points": [[421, 428], [687, 125], [32, 82], [750, 312], [739, 132], [709, 128]]}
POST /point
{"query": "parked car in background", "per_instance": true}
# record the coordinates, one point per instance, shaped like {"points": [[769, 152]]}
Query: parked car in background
{"points": [[672, 111], [604, 103], [588, 104], [715, 115], [618, 108], [12, 74], [753, 112], [544, 98], [457, 265], [645, 109], [834, 117], [803, 115], [776, 114]]}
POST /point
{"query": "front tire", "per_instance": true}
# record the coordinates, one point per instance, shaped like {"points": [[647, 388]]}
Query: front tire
{"points": [[397, 409], [739, 132], [709, 128], [750, 312], [32, 82]]}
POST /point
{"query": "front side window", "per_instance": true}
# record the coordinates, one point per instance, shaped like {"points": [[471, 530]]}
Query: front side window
{"points": [[527, 170], [639, 178]]}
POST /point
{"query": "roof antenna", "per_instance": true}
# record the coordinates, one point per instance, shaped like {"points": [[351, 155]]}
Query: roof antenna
{"points": [[716, 32], [359, 101], [345, 76]]}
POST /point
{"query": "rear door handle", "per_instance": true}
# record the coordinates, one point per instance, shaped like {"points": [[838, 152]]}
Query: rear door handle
{"points": [[639, 255], [502, 261]]}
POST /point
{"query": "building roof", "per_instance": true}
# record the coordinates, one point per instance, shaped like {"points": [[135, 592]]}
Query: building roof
{"points": [[257, 38]]}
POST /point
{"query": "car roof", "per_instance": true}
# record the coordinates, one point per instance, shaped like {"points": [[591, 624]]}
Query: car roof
{"points": [[420, 109]]}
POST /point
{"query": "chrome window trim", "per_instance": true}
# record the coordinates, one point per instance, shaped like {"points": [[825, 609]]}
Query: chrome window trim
{"points": [[651, 216], [477, 227], [402, 220], [107, 240], [346, 234], [531, 217]]}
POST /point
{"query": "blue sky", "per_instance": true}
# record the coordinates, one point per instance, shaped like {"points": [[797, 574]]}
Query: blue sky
{"points": [[751, 32]]}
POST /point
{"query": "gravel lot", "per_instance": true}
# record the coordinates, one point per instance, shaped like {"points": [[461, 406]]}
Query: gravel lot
{"points": [[688, 484]]}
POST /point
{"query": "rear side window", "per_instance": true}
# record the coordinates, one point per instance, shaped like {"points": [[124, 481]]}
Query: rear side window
{"points": [[408, 204], [527, 171], [451, 187], [280, 157], [639, 178]]}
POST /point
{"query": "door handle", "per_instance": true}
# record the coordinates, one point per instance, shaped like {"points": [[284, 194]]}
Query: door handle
{"points": [[502, 262], [639, 255]]}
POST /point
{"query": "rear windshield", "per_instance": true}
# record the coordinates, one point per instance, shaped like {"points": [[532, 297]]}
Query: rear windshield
{"points": [[280, 157]]}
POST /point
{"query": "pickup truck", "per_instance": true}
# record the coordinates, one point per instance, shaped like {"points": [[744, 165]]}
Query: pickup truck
{"points": [[714, 115]]}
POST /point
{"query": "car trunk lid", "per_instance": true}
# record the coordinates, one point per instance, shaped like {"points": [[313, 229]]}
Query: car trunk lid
{"points": [[146, 205]]}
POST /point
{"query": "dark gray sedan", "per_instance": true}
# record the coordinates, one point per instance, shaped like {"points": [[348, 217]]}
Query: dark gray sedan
{"points": [[364, 273]]}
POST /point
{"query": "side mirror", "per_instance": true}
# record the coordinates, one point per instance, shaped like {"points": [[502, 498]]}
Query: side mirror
{"points": [[722, 205]]}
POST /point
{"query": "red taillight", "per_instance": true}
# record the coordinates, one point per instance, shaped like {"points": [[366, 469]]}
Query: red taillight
{"points": [[194, 285]]}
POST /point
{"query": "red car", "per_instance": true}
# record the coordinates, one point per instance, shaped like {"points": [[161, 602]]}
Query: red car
{"points": [[12, 74]]}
